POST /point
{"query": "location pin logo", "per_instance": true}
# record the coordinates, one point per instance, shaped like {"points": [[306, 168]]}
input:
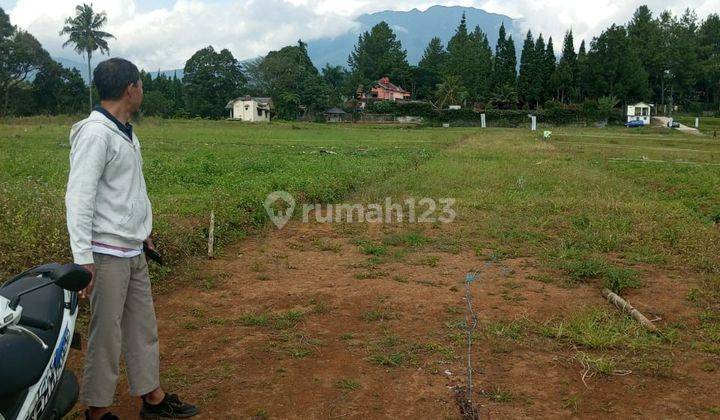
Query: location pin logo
{"points": [[279, 218]]}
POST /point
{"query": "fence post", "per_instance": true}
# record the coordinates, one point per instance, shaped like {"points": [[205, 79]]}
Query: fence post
{"points": [[697, 122], [533, 122], [211, 236], [482, 120]]}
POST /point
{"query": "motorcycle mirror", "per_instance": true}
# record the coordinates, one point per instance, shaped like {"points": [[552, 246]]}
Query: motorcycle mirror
{"points": [[71, 277]]}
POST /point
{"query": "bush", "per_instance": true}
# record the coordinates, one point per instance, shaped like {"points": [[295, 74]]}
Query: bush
{"points": [[554, 113], [506, 117], [416, 109], [560, 115], [382, 107]]}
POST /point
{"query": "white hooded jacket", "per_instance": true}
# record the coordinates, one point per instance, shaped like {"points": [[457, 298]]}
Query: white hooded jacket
{"points": [[106, 197]]}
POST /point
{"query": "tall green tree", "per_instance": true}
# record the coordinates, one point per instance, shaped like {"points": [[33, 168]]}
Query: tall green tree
{"points": [[21, 56], [210, 80], [526, 76], [430, 69], [6, 28], [57, 90], [458, 60], [85, 35], [335, 77], [615, 68], [505, 62], [482, 65], [709, 54], [539, 76], [567, 71], [645, 31], [582, 84], [457, 51], [685, 65], [378, 53], [470, 59], [296, 86], [256, 85], [549, 63]]}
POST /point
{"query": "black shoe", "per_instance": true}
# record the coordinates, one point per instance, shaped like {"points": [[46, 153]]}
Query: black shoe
{"points": [[169, 408], [106, 416]]}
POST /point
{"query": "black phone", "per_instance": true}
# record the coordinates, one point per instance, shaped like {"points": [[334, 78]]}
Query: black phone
{"points": [[153, 254]]}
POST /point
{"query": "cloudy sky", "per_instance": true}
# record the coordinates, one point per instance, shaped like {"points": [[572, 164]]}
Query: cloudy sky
{"points": [[162, 34]]}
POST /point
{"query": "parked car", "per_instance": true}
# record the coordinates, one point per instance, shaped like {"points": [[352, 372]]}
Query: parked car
{"points": [[634, 123], [673, 124]]}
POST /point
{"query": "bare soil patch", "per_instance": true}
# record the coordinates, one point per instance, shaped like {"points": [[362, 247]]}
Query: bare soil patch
{"points": [[302, 323]]}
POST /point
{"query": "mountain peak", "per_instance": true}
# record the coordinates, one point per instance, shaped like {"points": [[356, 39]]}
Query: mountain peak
{"points": [[418, 28]]}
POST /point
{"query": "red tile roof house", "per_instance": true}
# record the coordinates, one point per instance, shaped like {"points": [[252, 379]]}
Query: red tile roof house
{"points": [[385, 90]]}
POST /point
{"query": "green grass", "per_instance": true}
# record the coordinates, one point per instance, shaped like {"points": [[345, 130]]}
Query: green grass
{"points": [[501, 395], [254, 319], [569, 202], [599, 328], [578, 207], [192, 167], [607, 207], [347, 384]]}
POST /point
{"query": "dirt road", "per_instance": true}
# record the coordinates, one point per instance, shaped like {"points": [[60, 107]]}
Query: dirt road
{"points": [[663, 121]]}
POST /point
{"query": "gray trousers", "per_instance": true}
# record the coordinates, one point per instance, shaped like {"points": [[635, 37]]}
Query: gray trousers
{"points": [[122, 321]]}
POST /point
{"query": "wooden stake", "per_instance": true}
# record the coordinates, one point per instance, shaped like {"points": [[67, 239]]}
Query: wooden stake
{"points": [[621, 303], [211, 234]]}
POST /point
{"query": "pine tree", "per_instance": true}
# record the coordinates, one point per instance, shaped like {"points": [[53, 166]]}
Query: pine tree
{"points": [[549, 63], [526, 76], [505, 63], [709, 37], [615, 69], [430, 69], [457, 57], [581, 84], [469, 58], [566, 72], [538, 76], [467, 63], [433, 58], [646, 31], [686, 64], [378, 53], [480, 65]]}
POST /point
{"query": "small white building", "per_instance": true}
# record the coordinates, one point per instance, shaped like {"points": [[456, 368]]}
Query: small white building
{"points": [[250, 108], [639, 112]]}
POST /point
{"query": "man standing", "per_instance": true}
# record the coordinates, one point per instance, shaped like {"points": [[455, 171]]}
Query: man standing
{"points": [[109, 217]]}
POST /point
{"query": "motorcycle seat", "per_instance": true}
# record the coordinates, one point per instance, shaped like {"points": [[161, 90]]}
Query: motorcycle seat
{"points": [[23, 359]]}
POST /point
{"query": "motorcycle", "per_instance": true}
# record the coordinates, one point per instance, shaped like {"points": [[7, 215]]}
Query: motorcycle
{"points": [[35, 339]]}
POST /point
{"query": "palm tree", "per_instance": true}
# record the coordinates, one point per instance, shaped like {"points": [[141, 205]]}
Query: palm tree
{"points": [[450, 91], [84, 34], [505, 97]]}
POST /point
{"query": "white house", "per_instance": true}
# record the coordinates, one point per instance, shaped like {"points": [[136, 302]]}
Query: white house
{"points": [[250, 108], [639, 112]]}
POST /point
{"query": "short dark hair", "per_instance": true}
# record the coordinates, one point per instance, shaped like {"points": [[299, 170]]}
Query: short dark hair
{"points": [[113, 76]]}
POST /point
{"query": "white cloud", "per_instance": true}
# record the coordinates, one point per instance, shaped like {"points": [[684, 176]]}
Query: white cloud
{"points": [[166, 37], [586, 18]]}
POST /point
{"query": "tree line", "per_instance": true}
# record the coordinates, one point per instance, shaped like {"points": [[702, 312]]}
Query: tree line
{"points": [[666, 59]]}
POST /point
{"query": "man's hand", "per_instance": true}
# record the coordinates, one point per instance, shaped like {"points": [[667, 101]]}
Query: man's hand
{"points": [[85, 293], [149, 243]]}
